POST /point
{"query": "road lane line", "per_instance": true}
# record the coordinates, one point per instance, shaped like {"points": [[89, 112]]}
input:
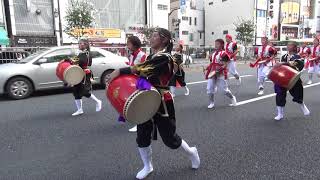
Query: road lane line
{"points": [[269, 95], [199, 82]]}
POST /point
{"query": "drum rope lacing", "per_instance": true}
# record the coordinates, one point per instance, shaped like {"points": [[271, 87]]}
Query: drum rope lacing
{"points": [[129, 100]]}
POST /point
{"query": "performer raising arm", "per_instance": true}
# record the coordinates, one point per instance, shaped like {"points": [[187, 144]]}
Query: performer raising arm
{"points": [[84, 88], [158, 70], [264, 62], [293, 60], [137, 56]]}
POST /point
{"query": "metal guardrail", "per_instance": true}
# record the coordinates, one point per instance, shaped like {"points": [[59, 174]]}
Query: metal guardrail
{"points": [[14, 54]]}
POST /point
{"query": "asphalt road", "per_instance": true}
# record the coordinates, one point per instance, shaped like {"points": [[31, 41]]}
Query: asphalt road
{"points": [[40, 140]]}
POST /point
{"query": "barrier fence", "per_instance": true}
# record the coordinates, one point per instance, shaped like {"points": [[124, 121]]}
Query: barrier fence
{"points": [[14, 54]]}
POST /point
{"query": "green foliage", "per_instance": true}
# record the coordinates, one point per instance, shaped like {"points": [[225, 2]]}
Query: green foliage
{"points": [[80, 15], [148, 32], [245, 31]]}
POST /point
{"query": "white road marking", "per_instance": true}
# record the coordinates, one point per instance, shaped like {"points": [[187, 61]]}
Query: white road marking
{"points": [[199, 82], [269, 95], [257, 98]]}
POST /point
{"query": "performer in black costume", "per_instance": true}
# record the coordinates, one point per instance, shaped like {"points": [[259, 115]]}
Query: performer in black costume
{"points": [[84, 88], [293, 60], [158, 70], [180, 74]]}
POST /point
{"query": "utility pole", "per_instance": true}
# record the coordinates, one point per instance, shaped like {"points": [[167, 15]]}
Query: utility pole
{"points": [[279, 21], [317, 17], [256, 21]]}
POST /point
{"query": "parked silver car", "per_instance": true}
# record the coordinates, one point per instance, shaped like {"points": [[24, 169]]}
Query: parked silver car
{"points": [[38, 71]]}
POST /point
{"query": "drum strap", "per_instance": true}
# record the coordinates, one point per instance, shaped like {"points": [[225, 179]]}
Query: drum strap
{"points": [[166, 114], [154, 131]]}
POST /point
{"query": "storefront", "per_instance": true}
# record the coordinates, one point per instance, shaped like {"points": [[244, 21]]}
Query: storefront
{"points": [[34, 41], [30, 24], [4, 40]]}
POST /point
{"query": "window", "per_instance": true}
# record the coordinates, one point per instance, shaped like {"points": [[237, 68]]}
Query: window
{"points": [[262, 13], [185, 18], [200, 35], [162, 7], [225, 32], [185, 32], [59, 55], [284, 14], [195, 21], [224, 0], [190, 21], [191, 37], [210, 3], [96, 54], [212, 33]]}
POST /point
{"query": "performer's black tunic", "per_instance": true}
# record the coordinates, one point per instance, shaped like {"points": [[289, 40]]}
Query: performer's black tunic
{"points": [[84, 88], [297, 90], [158, 69], [180, 74]]}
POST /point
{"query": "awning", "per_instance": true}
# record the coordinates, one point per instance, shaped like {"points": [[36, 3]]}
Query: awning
{"points": [[4, 40]]}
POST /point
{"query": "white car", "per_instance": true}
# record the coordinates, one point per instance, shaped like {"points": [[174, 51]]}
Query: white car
{"points": [[38, 71]]}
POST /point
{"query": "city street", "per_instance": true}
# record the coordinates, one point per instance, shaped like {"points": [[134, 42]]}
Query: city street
{"points": [[41, 140]]}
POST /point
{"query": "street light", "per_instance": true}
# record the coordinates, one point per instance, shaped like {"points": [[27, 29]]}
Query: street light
{"points": [[175, 9]]}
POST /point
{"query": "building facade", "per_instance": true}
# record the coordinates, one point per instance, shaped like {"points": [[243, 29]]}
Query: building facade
{"points": [[186, 22], [31, 22], [2, 15], [276, 19], [129, 17], [157, 13], [220, 17]]}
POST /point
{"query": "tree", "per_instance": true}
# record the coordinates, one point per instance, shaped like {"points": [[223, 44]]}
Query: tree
{"points": [[147, 31], [80, 16], [245, 32]]}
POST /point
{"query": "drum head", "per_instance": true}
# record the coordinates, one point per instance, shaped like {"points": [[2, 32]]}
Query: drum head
{"points": [[294, 81], [211, 74], [141, 106], [73, 75]]}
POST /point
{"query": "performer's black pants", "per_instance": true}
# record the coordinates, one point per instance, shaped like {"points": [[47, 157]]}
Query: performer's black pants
{"points": [[296, 92], [179, 76], [165, 125], [83, 88]]}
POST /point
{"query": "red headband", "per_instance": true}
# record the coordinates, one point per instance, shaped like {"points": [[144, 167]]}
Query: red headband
{"points": [[228, 36]]}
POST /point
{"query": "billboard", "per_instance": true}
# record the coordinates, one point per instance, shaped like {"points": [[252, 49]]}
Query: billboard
{"points": [[99, 33], [262, 4], [290, 11], [183, 5]]}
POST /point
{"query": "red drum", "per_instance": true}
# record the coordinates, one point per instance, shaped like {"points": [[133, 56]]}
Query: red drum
{"points": [[284, 76], [69, 73], [136, 106]]}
